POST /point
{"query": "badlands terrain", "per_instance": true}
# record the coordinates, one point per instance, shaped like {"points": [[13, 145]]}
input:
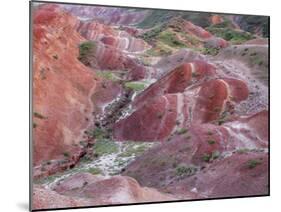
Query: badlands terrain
{"points": [[138, 105]]}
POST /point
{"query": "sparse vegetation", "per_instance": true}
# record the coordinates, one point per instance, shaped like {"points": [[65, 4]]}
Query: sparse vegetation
{"points": [[135, 86], [182, 131], [251, 164], [159, 115], [108, 75], [183, 170], [38, 115], [223, 118], [156, 17], [132, 150], [210, 51], [158, 50], [210, 157], [170, 39], [66, 154], [85, 48], [151, 35], [97, 133], [105, 147], [209, 132], [94, 171], [234, 36], [211, 142], [206, 157]]}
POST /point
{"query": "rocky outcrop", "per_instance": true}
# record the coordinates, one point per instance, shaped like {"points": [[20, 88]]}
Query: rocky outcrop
{"points": [[196, 30], [189, 116], [216, 19], [48, 199], [61, 84], [203, 150], [93, 30], [106, 57], [176, 100], [176, 81], [242, 174], [85, 189], [107, 15], [113, 190]]}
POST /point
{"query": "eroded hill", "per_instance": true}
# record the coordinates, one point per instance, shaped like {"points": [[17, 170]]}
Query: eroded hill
{"points": [[136, 105]]}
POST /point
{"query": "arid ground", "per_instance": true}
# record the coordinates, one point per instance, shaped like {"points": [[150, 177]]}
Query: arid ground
{"points": [[138, 105]]}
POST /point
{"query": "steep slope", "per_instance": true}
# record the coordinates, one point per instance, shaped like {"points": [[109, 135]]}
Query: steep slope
{"points": [[136, 105], [61, 84], [108, 15], [85, 189]]}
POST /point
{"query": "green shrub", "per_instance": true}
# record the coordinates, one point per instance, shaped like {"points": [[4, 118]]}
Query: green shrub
{"points": [[85, 48], [66, 154], [38, 115], [211, 142], [253, 163], [183, 170], [210, 157], [206, 157], [182, 131]]}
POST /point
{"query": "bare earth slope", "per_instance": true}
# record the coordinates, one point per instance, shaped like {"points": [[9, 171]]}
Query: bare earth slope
{"points": [[141, 106]]}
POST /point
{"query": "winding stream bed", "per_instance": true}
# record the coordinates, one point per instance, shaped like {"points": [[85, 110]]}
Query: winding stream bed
{"points": [[111, 159]]}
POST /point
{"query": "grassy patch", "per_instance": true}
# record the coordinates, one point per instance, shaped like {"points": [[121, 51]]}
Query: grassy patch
{"points": [[133, 150], [97, 133], [151, 35], [234, 36], [107, 75], [135, 86], [104, 147], [94, 171], [159, 50], [170, 39]]}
